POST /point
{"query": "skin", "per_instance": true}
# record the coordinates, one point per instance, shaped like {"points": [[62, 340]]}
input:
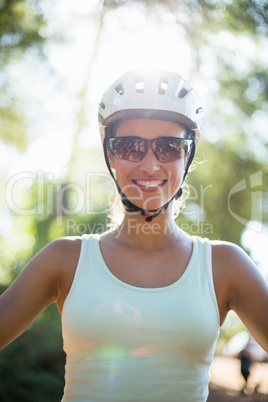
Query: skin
{"points": [[149, 169], [157, 252]]}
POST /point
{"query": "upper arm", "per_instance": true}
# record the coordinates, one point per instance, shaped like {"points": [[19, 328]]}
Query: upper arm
{"points": [[246, 290], [39, 285]]}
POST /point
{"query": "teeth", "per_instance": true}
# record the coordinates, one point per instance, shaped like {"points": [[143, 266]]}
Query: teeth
{"points": [[149, 183]]}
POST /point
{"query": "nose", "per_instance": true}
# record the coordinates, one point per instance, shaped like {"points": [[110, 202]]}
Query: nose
{"points": [[149, 163]]}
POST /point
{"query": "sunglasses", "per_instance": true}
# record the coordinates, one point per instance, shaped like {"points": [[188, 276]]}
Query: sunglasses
{"points": [[165, 149]]}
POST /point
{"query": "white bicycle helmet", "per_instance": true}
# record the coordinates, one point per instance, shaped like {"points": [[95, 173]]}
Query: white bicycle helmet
{"points": [[161, 95]]}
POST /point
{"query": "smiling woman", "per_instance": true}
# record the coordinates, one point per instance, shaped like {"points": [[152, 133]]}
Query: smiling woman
{"points": [[141, 304]]}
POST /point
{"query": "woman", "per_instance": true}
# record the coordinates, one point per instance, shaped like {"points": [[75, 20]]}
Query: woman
{"points": [[142, 304]]}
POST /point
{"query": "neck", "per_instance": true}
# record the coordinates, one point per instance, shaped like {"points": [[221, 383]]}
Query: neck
{"points": [[136, 232]]}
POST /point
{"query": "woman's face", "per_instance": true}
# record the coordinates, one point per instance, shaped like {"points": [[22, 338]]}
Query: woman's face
{"points": [[149, 184]]}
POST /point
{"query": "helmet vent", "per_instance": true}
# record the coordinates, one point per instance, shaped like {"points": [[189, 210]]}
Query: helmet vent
{"points": [[182, 93], [119, 89], [140, 85], [162, 86]]}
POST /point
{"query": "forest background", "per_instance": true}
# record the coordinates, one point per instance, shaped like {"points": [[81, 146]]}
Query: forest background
{"points": [[56, 59]]}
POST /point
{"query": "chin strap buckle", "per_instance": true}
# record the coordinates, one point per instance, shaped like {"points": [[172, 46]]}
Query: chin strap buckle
{"points": [[149, 215]]}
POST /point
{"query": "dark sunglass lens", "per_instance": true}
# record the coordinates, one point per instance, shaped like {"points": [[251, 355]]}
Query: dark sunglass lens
{"points": [[130, 149], [170, 149]]}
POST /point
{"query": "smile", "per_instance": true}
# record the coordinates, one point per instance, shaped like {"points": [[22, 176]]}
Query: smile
{"points": [[150, 183]]}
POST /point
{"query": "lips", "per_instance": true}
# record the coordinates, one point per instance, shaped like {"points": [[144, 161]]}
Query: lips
{"points": [[150, 184]]}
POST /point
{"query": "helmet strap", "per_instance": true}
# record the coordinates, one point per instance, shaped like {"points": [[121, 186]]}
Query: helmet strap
{"points": [[130, 207]]}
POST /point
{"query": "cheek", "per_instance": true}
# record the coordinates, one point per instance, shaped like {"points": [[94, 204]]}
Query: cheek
{"points": [[176, 172], [121, 169], [178, 167]]}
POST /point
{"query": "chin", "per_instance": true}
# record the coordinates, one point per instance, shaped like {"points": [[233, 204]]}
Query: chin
{"points": [[151, 205]]}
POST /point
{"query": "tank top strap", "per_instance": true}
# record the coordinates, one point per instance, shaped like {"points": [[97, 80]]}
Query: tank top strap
{"points": [[83, 268], [203, 264]]}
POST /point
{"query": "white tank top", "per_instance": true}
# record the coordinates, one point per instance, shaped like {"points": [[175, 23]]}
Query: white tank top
{"points": [[125, 343]]}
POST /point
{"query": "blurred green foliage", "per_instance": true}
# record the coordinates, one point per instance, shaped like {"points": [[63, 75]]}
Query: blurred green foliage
{"points": [[215, 219], [31, 368], [21, 24]]}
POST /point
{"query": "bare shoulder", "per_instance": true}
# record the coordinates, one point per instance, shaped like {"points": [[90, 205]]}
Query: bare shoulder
{"points": [[54, 268], [57, 256], [63, 249], [64, 253], [47, 278], [240, 286], [233, 266], [230, 250]]}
